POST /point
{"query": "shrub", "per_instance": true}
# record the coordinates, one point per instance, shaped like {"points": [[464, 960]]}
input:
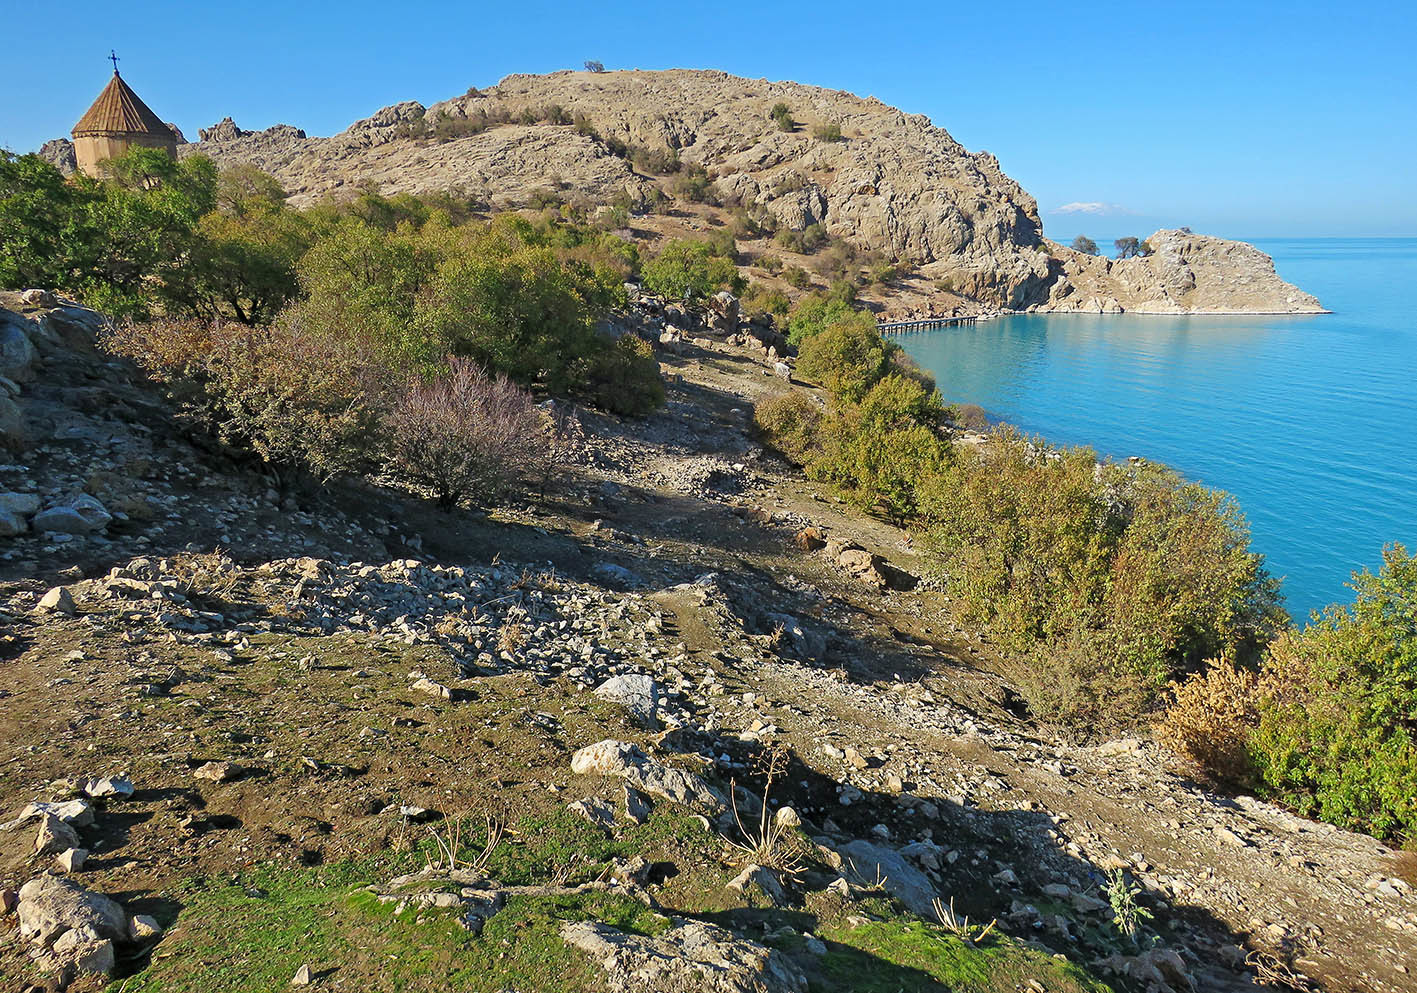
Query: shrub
{"points": [[594, 65], [113, 243], [659, 161], [1337, 732], [827, 132], [1082, 243], [299, 399], [692, 183], [624, 378], [762, 301], [969, 416], [781, 115], [466, 435], [796, 277], [847, 358], [806, 241], [1210, 719], [769, 263], [689, 268], [879, 452], [791, 424], [1101, 581]]}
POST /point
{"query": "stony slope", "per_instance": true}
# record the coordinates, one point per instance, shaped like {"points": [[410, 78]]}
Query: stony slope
{"points": [[293, 723], [896, 184]]}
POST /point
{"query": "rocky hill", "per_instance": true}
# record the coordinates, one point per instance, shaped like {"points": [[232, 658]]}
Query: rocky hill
{"points": [[894, 183]]}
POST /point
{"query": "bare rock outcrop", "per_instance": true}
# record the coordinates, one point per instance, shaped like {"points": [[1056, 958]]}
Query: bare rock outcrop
{"points": [[1186, 273], [60, 153], [691, 957], [892, 183]]}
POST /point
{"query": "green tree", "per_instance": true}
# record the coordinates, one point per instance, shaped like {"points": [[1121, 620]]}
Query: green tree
{"points": [[847, 358], [1127, 247], [813, 314], [781, 115], [47, 238], [1082, 243], [688, 269]]}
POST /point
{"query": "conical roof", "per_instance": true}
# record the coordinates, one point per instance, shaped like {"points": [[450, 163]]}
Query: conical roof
{"points": [[118, 110]]}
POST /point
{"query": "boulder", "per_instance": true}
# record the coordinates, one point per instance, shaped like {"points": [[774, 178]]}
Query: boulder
{"points": [[54, 836], [12, 423], [625, 760], [39, 298], [723, 312], [59, 601], [638, 694], [901, 879], [23, 504], [79, 952], [71, 860], [52, 905], [17, 353], [76, 813], [143, 927], [691, 957], [12, 525], [84, 514]]}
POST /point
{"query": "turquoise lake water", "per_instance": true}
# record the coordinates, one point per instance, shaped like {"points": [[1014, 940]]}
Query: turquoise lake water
{"points": [[1311, 422]]}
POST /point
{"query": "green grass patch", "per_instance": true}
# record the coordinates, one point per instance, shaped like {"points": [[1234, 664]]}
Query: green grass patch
{"points": [[909, 956], [251, 936]]}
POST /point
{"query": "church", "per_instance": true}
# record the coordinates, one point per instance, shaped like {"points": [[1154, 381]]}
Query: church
{"points": [[117, 121]]}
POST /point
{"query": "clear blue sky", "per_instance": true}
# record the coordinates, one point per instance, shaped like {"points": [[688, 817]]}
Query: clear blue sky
{"points": [[1243, 119]]}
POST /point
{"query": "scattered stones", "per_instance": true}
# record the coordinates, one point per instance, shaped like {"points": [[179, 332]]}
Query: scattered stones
{"points": [[58, 600], [219, 772], [72, 860]]}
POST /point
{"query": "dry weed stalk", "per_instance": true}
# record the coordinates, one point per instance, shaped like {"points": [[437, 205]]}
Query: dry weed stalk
{"points": [[766, 843], [1272, 972], [449, 845], [511, 636], [960, 926]]}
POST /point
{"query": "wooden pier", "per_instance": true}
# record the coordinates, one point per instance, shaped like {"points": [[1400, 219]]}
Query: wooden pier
{"points": [[923, 324]]}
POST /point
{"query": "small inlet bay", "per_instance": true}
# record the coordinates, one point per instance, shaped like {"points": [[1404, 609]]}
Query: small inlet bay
{"points": [[1311, 422]]}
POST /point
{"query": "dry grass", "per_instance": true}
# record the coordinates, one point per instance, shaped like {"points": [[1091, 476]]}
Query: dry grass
{"points": [[970, 934], [204, 574], [511, 636]]}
